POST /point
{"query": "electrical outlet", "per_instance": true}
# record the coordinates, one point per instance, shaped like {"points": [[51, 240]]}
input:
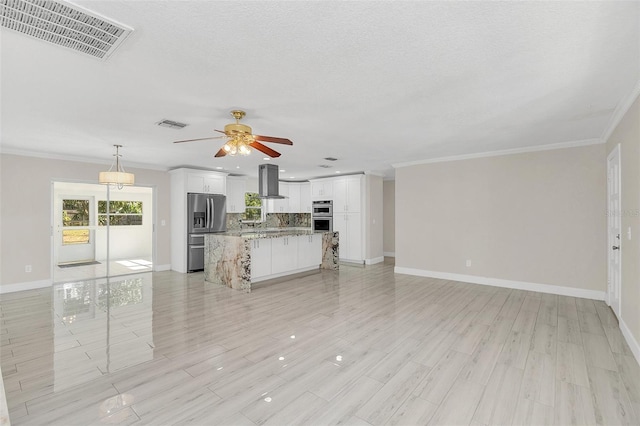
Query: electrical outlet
{"points": [[163, 222], [27, 268], [468, 263]]}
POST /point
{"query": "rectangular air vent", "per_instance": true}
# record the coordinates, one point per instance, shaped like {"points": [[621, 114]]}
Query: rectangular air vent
{"points": [[64, 24], [325, 166], [172, 124], [330, 159]]}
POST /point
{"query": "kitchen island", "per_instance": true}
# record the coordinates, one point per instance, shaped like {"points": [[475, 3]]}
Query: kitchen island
{"points": [[238, 259]]}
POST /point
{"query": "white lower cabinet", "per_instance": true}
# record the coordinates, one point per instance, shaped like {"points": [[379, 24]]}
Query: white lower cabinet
{"points": [[277, 256], [309, 250], [260, 258], [349, 225], [284, 254]]}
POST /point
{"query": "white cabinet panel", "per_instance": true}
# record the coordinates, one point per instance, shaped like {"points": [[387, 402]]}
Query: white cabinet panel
{"points": [[280, 205], [284, 254], [346, 194], [322, 189], [207, 184], [236, 188], [309, 250], [305, 198], [260, 258], [195, 183], [294, 198], [349, 225], [214, 185]]}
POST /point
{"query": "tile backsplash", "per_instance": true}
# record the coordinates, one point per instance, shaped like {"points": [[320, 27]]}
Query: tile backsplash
{"points": [[273, 220]]}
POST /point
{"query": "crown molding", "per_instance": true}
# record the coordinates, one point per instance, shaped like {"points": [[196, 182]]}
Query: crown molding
{"points": [[620, 111], [80, 159], [548, 147]]}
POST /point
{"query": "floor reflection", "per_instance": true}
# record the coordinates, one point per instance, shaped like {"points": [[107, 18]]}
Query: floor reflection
{"points": [[101, 326]]}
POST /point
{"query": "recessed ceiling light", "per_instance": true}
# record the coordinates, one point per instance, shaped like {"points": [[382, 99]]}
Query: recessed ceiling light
{"points": [[337, 171], [292, 177], [219, 168], [282, 170], [266, 158], [237, 167]]}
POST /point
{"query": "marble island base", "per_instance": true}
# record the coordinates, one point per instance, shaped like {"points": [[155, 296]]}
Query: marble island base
{"points": [[237, 260]]}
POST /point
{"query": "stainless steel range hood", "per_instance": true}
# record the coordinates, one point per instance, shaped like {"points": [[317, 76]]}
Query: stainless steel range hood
{"points": [[268, 185]]}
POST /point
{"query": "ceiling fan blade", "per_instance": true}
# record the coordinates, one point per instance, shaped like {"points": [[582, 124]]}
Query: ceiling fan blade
{"points": [[201, 139], [272, 139], [220, 153], [219, 131], [265, 149]]}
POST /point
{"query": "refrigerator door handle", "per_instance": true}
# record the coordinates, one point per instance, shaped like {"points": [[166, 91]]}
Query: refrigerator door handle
{"points": [[208, 225], [213, 213]]}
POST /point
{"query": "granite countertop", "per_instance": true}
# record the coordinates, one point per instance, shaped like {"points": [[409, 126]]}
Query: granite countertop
{"points": [[253, 234]]}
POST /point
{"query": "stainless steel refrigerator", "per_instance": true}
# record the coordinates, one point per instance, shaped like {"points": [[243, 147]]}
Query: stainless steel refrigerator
{"points": [[206, 213]]}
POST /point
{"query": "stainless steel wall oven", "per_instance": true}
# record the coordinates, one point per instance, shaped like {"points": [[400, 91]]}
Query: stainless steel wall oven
{"points": [[322, 215]]}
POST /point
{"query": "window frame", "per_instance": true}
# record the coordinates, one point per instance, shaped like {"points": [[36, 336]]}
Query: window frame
{"points": [[108, 215], [247, 197]]}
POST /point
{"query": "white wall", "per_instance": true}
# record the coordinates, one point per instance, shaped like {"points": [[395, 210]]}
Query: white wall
{"points": [[25, 212], [373, 217], [389, 226], [627, 134], [535, 217]]}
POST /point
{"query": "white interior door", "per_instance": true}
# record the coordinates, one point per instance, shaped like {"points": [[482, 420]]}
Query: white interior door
{"points": [[614, 230], [75, 229]]}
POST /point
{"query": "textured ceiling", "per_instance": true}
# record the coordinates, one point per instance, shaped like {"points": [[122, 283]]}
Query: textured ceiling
{"points": [[370, 83]]}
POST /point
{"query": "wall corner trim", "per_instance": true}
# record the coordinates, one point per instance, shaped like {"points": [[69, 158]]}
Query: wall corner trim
{"points": [[389, 254], [29, 285], [631, 340], [160, 268], [498, 282], [374, 260], [621, 109], [535, 148]]}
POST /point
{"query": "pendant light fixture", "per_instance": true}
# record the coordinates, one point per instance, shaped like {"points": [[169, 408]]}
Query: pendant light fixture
{"points": [[117, 177]]}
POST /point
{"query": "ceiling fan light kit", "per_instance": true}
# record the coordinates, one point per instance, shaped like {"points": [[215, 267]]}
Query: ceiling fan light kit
{"points": [[240, 139]]}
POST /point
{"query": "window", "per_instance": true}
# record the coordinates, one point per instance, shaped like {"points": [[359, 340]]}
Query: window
{"points": [[121, 213], [75, 213], [253, 207]]}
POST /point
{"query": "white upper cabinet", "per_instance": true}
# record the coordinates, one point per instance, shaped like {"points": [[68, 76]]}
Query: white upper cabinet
{"points": [[294, 198], [236, 188], [305, 197], [297, 198], [206, 183], [280, 205], [322, 189], [346, 194]]}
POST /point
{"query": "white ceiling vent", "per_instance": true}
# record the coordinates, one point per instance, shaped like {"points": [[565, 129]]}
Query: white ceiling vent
{"points": [[64, 24]]}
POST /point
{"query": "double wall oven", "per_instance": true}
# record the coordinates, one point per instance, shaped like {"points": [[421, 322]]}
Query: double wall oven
{"points": [[322, 215]]}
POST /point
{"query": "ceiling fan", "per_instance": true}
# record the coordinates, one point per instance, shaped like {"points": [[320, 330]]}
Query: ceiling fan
{"points": [[240, 140]]}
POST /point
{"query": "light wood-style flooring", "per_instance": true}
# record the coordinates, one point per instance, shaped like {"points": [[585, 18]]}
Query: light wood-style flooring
{"points": [[362, 346]]}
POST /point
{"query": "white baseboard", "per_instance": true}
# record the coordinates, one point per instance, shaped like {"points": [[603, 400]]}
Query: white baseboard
{"points": [[159, 268], [374, 260], [498, 282], [29, 285], [631, 341], [389, 254], [284, 274]]}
